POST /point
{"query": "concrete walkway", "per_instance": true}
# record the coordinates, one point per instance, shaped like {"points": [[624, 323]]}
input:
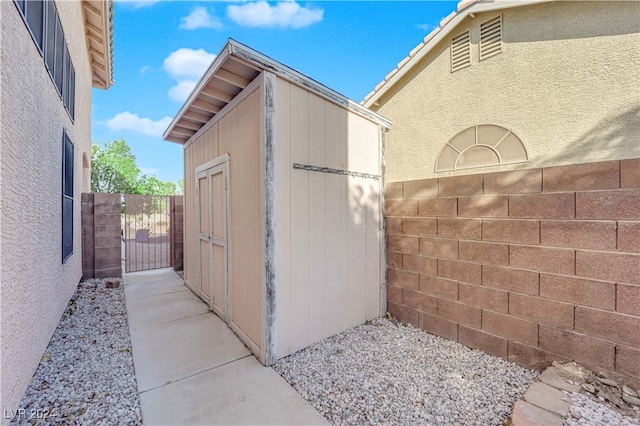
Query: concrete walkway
{"points": [[191, 368]]}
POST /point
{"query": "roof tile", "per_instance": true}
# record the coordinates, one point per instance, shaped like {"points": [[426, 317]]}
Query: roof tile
{"points": [[366, 98], [432, 34], [446, 20], [415, 50], [403, 62], [391, 74], [465, 3]]}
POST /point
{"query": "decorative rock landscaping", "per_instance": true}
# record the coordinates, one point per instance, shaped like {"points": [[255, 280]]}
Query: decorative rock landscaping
{"points": [[86, 374], [384, 372], [381, 372], [569, 394]]}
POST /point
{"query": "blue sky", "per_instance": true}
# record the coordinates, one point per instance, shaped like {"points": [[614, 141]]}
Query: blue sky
{"points": [[163, 47]]}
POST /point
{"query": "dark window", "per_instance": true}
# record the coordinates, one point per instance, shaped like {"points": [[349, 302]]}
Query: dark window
{"points": [[20, 4], [69, 93], [59, 56], [65, 80], [35, 19], [43, 21], [71, 106], [67, 197], [50, 36]]}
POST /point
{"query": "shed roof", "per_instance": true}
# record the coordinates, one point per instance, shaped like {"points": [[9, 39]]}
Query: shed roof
{"points": [[447, 25], [233, 69], [98, 21]]}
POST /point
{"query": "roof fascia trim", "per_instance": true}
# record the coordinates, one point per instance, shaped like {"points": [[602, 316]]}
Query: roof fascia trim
{"points": [[264, 63], [252, 87], [305, 82], [105, 15], [108, 22]]}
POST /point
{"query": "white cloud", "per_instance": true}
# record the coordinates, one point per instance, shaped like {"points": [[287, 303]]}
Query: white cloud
{"points": [[200, 18], [186, 63], [283, 14], [134, 123], [186, 66], [146, 70], [427, 27], [181, 91], [137, 4]]}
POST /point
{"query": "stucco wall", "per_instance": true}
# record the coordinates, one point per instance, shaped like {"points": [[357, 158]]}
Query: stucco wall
{"points": [[566, 84], [36, 286]]}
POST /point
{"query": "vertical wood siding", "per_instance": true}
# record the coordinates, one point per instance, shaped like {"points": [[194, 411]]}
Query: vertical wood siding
{"points": [[237, 134], [328, 226]]}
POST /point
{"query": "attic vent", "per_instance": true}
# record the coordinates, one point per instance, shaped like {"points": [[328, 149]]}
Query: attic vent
{"points": [[460, 52], [491, 38]]}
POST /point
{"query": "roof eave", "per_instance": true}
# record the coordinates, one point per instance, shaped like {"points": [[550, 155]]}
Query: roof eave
{"points": [[255, 60], [98, 15], [302, 80], [215, 65]]}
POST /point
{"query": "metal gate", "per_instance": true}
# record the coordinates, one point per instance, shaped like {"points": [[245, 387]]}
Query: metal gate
{"points": [[146, 232]]}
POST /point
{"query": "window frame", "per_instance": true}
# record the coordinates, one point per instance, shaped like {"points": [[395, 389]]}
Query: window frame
{"points": [[20, 4], [58, 65], [68, 179], [26, 16], [53, 49], [50, 39], [71, 106], [66, 60]]}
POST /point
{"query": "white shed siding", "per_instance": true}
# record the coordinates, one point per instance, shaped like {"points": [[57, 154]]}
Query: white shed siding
{"points": [[327, 225]]}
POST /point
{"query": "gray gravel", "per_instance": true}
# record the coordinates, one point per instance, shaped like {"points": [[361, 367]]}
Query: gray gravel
{"points": [[383, 373], [86, 374], [377, 373], [587, 410]]}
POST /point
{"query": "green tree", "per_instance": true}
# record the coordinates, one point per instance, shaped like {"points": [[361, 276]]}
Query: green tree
{"points": [[150, 185], [114, 170]]}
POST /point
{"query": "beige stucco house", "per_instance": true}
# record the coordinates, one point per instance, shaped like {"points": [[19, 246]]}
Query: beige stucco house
{"points": [[513, 182], [51, 56], [558, 77]]}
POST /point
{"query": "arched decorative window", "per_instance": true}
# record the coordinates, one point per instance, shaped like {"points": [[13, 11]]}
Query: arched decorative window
{"points": [[483, 145]]}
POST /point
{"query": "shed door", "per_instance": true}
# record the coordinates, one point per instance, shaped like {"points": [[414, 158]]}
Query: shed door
{"points": [[204, 239], [218, 211], [212, 238]]}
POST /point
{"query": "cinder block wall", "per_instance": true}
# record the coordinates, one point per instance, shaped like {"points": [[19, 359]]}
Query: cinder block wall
{"points": [[101, 243], [88, 237], [177, 242], [530, 265]]}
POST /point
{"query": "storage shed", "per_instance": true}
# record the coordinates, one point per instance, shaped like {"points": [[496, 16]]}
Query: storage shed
{"points": [[283, 231]]}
